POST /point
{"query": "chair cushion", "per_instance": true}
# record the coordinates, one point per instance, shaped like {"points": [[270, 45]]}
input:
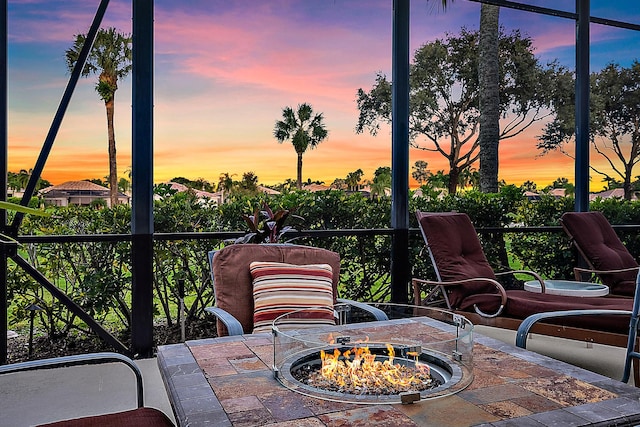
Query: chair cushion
{"points": [[521, 304], [233, 284], [141, 417], [280, 288], [457, 253], [601, 246]]}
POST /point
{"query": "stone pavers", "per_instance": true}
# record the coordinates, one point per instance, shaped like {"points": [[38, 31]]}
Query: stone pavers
{"points": [[228, 381]]}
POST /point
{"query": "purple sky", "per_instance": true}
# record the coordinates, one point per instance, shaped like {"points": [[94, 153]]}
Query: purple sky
{"points": [[224, 71]]}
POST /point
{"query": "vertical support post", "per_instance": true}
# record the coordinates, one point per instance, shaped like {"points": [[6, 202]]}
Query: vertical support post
{"points": [[582, 89], [400, 268], [3, 179], [142, 180]]}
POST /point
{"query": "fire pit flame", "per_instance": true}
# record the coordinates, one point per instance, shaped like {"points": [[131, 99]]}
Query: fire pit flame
{"points": [[359, 371]]}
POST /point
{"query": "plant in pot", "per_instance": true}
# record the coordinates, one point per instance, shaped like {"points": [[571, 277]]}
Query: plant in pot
{"points": [[267, 225]]}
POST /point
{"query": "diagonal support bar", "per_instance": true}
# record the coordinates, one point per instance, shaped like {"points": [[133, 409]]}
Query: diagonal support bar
{"points": [[72, 306]]}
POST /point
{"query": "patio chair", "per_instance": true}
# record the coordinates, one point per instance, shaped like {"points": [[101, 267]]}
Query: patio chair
{"points": [[599, 245], [633, 353], [139, 417], [316, 273], [469, 285]]}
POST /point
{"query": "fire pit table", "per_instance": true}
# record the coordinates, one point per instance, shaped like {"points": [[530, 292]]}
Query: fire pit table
{"points": [[256, 379]]}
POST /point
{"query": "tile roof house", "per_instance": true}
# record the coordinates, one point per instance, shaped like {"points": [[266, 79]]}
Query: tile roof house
{"points": [[610, 194], [81, 193], [217, 197]]}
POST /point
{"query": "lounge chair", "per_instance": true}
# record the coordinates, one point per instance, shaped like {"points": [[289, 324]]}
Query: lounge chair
{"points": [[469, 285], [601, 248], [233, 283], [138, 417]]}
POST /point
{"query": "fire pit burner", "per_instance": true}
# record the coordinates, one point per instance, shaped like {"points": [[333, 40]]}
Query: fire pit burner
{"points": [[354, 363], [303, 375]]}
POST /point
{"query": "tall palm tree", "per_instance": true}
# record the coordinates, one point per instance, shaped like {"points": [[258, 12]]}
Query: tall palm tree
{"points": [[488, 79], [489, 89], [110, 59], [303, 128]]}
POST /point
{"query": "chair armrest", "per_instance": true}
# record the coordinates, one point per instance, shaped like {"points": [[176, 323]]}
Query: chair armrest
{"points": [[527, 324], [231, 323], [374, 311], [535, 275], [80, 359], [499, 287]]}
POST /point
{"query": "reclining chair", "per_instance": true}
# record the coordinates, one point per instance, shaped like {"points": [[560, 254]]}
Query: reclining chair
{"points": [[315, 273], [470, 286], [139, 417], [600, 246]]}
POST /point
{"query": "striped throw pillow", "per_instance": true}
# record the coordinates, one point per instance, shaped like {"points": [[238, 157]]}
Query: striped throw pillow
{"points": [[280, 288]]}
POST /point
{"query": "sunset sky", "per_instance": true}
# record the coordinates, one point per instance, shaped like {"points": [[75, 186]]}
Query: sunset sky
{"points": [[224, 70]]}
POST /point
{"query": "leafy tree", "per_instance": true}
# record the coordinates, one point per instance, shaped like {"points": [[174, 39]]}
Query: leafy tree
{"points": [[110, 58], [439, 180], [249, 182], [339, 184], [420, 172], [560, 182], [614, 121], [444, 96], [529, 186], [381, 181], [469, 177], [22, 179], [287, 185], [353, 179], [305, 130], [124, 185]]}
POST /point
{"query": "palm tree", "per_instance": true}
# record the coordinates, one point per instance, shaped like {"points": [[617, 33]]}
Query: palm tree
{"points": [[489, 89], [488, 79], [305, 130], [110, 58]]}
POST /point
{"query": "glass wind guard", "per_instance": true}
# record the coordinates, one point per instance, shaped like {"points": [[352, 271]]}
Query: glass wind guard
{"points": [[419, 353]]}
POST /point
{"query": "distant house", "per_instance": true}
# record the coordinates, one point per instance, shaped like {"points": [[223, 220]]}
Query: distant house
{"points": [[268, 191], [530, 195], [315, 187], [616, 193], [81, 193], [558, 192], [217, 197]]}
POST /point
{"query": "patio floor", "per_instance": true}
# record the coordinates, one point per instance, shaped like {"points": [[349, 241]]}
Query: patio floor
{"points": [[29, 398]]}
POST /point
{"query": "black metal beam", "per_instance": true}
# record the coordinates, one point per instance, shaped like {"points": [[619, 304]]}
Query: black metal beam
{"points": [[59, 115], [142, 180], [400, 267], [4, 144], [560, 13], [582, 89]]}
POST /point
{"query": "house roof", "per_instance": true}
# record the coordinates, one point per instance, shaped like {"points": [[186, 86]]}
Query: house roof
{"points": [[315, 187], [267, 190], [199, 193], [608, 194], [76, 186]]}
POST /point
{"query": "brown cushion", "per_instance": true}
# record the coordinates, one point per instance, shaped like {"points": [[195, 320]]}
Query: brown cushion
{"points": [[233, 284], [521, 304], [602, 248], [457, 253], [141, 417]]}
